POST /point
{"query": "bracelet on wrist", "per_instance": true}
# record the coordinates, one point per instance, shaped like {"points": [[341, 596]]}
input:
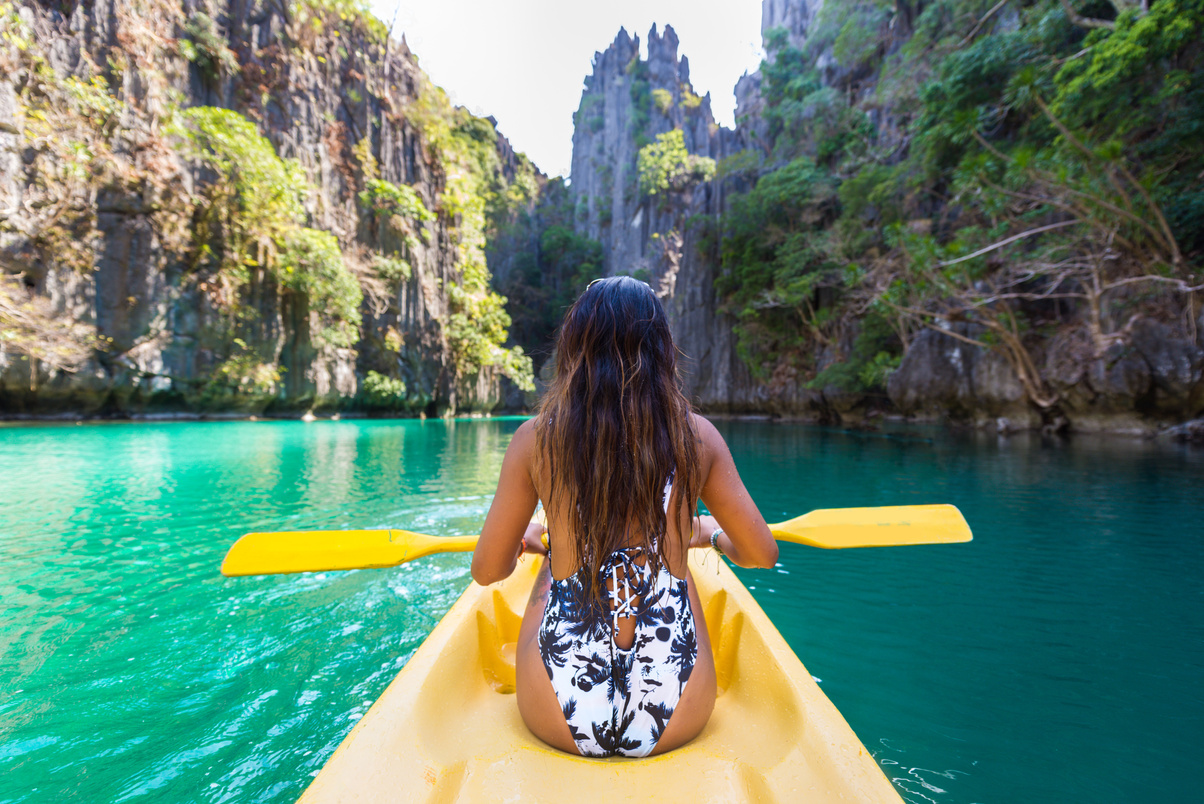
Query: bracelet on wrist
{"points": [[715, 541]]}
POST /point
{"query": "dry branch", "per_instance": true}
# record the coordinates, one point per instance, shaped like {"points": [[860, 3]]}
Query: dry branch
{"points": [[974, 31], [1011, 239], [1084, 22]]}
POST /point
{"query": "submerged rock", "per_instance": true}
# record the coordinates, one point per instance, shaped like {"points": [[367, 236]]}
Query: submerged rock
{"points": [[1192, 431]]}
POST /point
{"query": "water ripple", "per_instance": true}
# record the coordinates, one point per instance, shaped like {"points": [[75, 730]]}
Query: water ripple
{"points": [[1056, 657]]}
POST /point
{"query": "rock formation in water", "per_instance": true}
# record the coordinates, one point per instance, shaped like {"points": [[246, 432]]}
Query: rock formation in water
{"points": [[627, 102], [1134, 377], [156, 255], [261, 207]]}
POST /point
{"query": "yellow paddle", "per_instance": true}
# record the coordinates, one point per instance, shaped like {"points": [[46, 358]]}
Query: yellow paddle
{"points": [[321, 550]]}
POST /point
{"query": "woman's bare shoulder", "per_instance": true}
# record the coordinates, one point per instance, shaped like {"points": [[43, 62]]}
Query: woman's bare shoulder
{"points": [[523, 440], [710, 440], [707, 434]]}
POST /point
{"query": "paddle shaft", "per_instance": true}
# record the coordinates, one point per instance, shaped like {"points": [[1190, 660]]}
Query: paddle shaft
{"points": [[324, 550]]}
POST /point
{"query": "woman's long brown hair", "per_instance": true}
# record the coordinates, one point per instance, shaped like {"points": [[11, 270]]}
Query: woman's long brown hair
{"points": [[614, 425]]}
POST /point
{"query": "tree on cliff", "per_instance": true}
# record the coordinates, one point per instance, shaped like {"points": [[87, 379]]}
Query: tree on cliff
{"points": [[1071, 193], [1043, 180], [186, 188], [30, 327], [666, 166]]}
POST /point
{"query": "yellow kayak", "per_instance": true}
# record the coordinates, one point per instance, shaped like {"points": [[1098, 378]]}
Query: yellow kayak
{"points": [[448, 728]]}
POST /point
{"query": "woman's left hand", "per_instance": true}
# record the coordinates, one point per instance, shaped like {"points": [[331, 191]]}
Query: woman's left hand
{"points": [[533, 539]]}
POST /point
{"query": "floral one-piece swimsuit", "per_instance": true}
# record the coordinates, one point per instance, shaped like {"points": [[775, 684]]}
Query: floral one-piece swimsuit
{"points": [[617, 701]]}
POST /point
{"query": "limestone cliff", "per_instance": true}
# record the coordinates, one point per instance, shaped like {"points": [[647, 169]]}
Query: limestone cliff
{"points": [[136, 286], [794, 16], [1134, 377], [626, 103]]}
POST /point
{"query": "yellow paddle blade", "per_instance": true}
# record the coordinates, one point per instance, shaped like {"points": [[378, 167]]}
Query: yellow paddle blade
{"points": [[875, 527], [319, 550]]}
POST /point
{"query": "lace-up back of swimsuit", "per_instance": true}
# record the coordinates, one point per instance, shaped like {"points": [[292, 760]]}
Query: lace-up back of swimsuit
{"points": [[617, 700]]}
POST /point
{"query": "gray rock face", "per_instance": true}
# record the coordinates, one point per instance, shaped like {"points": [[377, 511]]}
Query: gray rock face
{"points": [[1176, 367], [660, 237], [941, 375], [1152, 375], [605, 143], [795, 16], [162, 332], [1191, 432], [749, 109]]}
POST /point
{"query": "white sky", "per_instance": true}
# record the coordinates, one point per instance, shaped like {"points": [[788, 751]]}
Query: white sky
{"points": [[524, 61]]}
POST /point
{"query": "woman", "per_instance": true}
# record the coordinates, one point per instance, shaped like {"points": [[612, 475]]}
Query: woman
{"points": [[613, 655]]}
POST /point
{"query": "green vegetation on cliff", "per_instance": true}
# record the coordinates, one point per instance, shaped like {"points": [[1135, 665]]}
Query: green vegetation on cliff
{"points": [[1026, 170], [479, 198], [313, 17], [666, 165], [777, 265], [550, 264], [386, 198], [250, 219], [199, 269]]}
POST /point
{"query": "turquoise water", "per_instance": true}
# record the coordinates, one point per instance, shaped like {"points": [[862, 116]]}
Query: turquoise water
{"points": [[1056, 658]]}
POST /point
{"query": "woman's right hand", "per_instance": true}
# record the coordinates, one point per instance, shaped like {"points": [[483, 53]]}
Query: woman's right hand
{"points": [[533, 538]]}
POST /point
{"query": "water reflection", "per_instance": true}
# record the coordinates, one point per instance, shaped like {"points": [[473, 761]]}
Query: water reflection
{"points": [[1030, 661], [129, 668]]}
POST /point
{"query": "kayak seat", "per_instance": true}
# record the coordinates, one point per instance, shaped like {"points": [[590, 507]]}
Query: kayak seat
{"points": [[497, 637], [725, 638]]}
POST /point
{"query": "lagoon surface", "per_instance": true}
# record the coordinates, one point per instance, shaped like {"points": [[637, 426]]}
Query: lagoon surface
{"points": [[1056, 658]]}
